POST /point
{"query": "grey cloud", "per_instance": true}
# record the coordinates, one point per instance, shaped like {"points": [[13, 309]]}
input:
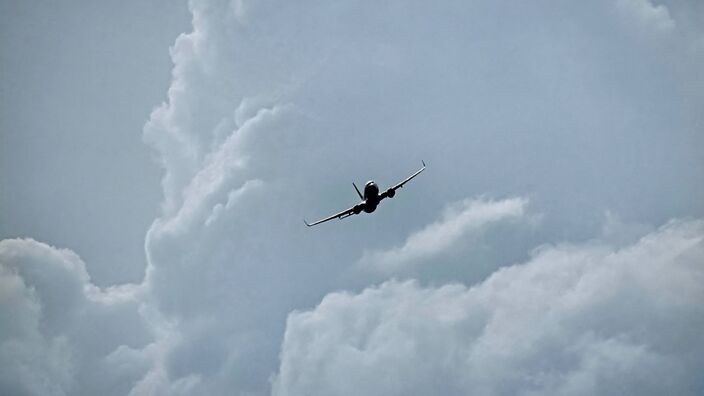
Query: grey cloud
{"points": [[275, 107], [458, 221], [61, 334], [573, 320], [646, 14]]}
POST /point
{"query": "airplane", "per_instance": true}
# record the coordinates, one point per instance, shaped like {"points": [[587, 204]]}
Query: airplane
{"points": [[370, 199]]}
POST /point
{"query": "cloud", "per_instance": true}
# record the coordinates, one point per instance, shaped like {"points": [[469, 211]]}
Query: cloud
{"points": [[646, 14], [60, 334], [574, 319], [458, 221], [275, 106]]}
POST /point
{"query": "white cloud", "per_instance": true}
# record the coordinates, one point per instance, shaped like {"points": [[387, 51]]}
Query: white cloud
{"points": [[273, 103], [274, 107], [573, 320], [60, 334], [458, 221]]}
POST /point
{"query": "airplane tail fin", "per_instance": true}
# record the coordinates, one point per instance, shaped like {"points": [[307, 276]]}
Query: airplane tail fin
{"points": [[358, 193]]}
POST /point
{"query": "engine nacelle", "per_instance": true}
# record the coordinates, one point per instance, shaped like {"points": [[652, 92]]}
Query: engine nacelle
{"points": [[390, 193], [358, 209]]}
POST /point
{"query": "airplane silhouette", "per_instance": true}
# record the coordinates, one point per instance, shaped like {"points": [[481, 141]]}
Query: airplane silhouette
{"points": [[370, 199]]}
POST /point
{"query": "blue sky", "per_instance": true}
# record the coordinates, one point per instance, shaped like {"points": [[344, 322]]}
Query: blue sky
{"points": [[157, 162]]}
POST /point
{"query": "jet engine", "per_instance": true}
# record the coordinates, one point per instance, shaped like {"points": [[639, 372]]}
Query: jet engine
{"points": [[358, 208], [390, 193]]}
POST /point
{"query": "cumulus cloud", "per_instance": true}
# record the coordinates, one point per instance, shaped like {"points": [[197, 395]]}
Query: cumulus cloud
{"points": [[273, 107], [458, 221], [60, 334], [271, 104], [574, 319]]}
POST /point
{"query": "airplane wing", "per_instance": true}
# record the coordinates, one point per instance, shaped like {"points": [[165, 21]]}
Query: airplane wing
{"points": [[339, 215], [386, 194]]}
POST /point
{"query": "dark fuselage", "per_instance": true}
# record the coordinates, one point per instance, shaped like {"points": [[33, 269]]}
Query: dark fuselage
{"points": [[371, 196], [369, 199]]}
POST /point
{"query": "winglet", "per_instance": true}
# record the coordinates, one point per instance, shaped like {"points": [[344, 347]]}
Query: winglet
{"points": [[304, 220], [423, 163]]}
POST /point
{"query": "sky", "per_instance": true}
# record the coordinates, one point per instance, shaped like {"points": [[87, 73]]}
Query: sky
{"points": [[157, 161]]}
